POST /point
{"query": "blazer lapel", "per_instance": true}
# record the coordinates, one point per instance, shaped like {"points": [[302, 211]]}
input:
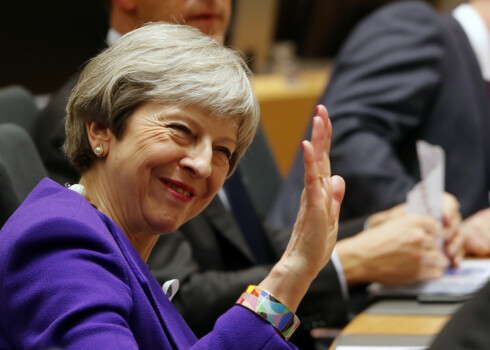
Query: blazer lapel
{"points": [[177, 330]]}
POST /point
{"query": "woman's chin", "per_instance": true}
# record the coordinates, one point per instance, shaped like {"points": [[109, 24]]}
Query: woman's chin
{"points": [[165, 226]]}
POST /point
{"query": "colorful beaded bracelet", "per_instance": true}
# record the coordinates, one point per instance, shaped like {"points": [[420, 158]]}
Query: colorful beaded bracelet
{"points": [[271, 309]]}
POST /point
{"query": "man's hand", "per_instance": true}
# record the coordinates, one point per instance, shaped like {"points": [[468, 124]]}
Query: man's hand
{"points": [[476, 232], [453, 240], [403, 250]]}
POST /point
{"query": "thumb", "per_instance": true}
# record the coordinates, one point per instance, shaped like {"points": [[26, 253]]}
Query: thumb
{"points": [[338, 191], [338, 188]]}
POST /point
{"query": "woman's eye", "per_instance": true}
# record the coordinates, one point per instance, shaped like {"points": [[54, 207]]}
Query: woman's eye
{"points": [[180, 127], [225, 151]]}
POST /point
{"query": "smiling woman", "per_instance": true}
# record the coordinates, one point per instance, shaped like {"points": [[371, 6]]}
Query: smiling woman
{"points": [[155, 125], [170, 160]]}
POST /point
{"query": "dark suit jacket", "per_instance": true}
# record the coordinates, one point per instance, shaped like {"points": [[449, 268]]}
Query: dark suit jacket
{"points": [[210, 257], [406, 73], [468, 328], [71, 279]]}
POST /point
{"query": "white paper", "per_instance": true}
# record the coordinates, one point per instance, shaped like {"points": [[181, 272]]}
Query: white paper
{"points": [[469, 277], [426, 196]]}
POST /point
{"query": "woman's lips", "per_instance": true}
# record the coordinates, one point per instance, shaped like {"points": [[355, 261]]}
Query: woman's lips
{"points": [[179, 189]]}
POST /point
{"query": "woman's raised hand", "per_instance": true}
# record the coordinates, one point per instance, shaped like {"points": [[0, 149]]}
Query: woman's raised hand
{"points": [[315, 231]]}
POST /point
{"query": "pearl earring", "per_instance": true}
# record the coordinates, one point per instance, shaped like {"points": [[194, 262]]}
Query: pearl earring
{"points": [[99, 150]]}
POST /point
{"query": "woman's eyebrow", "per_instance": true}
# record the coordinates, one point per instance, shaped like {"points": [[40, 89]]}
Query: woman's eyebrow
{"points": [[161, 115], [228, 139]]}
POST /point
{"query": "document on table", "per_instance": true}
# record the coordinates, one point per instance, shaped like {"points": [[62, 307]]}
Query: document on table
{"points": [[463, 281]]}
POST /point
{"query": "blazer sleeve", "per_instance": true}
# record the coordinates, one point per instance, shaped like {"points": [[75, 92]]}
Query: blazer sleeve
{"points": [[203, 286], [215, 286], [382, 88], [241, 328], [64, 291]]}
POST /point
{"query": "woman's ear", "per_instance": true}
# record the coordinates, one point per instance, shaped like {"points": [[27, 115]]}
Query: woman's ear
{"points": [[99, 138]]}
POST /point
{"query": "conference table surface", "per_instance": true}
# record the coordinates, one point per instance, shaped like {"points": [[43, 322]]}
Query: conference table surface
{"points": [[397, 319], [410, 322]]}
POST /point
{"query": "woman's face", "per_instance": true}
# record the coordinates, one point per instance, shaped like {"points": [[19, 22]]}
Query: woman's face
{"points": [[168, 165]]}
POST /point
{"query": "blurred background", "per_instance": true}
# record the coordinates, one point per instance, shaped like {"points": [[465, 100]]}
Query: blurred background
{"points": [[290, 44]]}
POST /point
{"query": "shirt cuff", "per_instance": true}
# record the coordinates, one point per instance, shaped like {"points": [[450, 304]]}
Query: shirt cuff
{"points": [[340, 274]]}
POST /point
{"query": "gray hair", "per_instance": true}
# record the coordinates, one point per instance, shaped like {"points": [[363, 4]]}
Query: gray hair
{"points": [[164, 63]]}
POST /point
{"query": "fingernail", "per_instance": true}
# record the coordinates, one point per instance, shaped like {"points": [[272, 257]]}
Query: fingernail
{"points": [[316, 110], [302, 145]]}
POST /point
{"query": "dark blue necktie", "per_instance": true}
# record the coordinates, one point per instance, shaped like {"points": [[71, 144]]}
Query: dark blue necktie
{"points": [[247, 218]]}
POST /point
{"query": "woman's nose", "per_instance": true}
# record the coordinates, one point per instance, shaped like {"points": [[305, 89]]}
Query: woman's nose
{"points": [[199, 160]]}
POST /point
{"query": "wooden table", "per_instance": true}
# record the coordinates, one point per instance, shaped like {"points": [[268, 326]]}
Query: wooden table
{"points": [[378, 324], [396, 324], [389, 325]]}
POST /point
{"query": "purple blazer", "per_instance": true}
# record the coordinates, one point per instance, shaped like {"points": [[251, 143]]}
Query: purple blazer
{"points": [[69, 278]]}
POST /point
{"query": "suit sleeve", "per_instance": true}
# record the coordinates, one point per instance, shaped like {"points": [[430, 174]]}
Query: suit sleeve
{"points": [[65, 291], [383, 84]]}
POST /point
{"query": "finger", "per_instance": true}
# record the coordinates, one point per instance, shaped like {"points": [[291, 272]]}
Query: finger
{"points": [[318, 168], [478, 245], [430, 273], [427, 223], [455, 245], [433, 265], [318, 138], [317, 190], [430, 242], [474, 246], [450, 205], [435, 258], [454, 220], [311, 173], [456, 261], [456, 249], [451, 226], [338, 191], [477, 242], [313, 152], [322, 112]]}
